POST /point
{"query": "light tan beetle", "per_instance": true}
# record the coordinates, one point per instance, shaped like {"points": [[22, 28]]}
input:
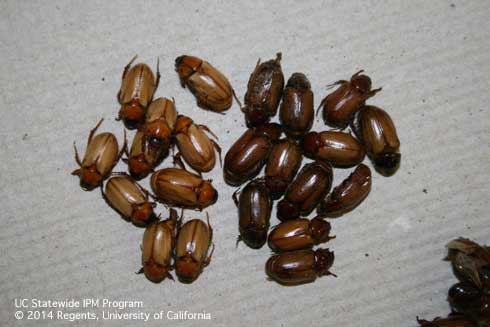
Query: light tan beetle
{"points": [[101, 155]]}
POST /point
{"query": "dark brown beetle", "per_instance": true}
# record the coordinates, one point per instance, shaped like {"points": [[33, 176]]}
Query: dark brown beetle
{"points": [[137, 89], [451, 321], [283, 164], [254, 213], [178, 187], [144, 155], [249, 153], [299, 234], [194, 145], [375, 129], [158, 246], [337, 148], [296, 113], [309, 187], [347, 195], [160, 122], [264, 91], [465, 298], [210, 87], [101, 155], [340, 106], [191, 252], [129, 199], [299, 267]]}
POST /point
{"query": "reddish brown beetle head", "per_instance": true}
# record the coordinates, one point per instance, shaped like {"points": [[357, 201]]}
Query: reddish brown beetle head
{"points": [[287, 210], [311, 143], [255, 117], [182, 124], [299, 81], [138, 167], [158, 132], [187, 269], [208, 195], [185, 66], [387, 164], [89, 177], [143, 214], [361, 83], [320, 229], [254, 238], [323, 261], [155, 272], [132, 114]]}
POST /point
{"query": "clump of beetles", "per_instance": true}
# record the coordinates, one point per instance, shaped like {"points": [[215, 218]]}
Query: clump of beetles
{"points": [[167, 244], [307, 188], [470, 297]]}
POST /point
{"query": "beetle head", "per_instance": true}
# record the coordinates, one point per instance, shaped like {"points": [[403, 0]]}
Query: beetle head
{"points": [[320, 230], [185, 66], [187, 269], [387, 163], [287, 210], [132, 114], [361, 83], [323, 261], [155, 272], [89, 177], [143, 214], [139, 167], [207, 195], [311, 143]]}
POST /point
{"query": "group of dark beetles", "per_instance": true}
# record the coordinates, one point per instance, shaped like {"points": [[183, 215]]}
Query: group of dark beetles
{"points": [[470, 297], [167, 244]]}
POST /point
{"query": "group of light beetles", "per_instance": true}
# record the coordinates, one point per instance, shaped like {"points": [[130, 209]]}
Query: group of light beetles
{"points": [[167, 244]]}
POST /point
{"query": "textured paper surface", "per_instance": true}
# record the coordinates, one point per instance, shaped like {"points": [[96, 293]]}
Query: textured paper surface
{"points": [[61, 63]]}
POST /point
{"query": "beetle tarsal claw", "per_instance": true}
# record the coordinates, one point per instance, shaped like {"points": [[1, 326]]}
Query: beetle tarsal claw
{"points": [[140, 271]]}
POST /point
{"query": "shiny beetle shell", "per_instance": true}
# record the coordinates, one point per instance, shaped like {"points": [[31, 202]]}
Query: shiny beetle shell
{"points": [[128, 198], [249, 153], [158, 245], [309, 187], [143, 156], [299, 234], [254, 213], [210, 87], [137, 89], [194, 145], [347, 195], [191, 252], [337, 148], [264, 91], [282, 165], [340, 106], [178, 187], [101, 155], [160, 122], [375, 129], [297, 113], [299, 267]]}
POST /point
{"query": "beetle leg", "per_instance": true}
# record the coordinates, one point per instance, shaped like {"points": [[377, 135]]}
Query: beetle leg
{"points": [[238, 240], [158, 74], [320, 106], [236, 98], [124, 148], [178, 161], [361, 71], [93, 130], [208, 259], [169, 276], [339, 82], [77, 157], [258, 63], [218, 149], [372, 93], [126, 68], [140, 271], [204, 127], [234, 197]]}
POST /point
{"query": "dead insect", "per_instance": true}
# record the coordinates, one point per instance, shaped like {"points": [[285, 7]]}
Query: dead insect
{"points": [[347, 195], [465, 298], [254, 213], [129, 199], [249, 153], [299, 267], [337, 148], [376, 131], [264, 91], [160, 122], [158, 246], [194, 145], [191, 252], [137, 89], [296, 113], [178, 187], [299, 234], [309, 187], [101, 155], [340, 106], [210, 87], [144, 156], [282, 165]]}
